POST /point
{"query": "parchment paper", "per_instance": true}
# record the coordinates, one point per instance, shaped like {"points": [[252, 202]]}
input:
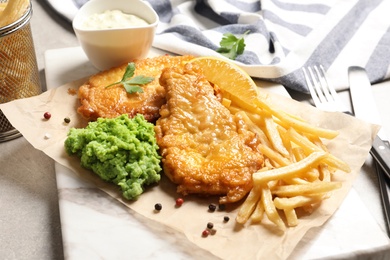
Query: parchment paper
{"points": [[231, 241]]}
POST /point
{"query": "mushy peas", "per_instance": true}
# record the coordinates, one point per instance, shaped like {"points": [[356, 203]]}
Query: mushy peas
{"points": [[119, 150]]}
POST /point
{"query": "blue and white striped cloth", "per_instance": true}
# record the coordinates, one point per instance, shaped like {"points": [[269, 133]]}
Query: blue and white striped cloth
{"points": [[285, 35]]}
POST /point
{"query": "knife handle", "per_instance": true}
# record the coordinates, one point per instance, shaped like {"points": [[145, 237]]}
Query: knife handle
{"points": [[384, 188], [381, 153]]}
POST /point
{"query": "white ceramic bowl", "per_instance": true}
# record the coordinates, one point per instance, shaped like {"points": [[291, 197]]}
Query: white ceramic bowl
{"points": [[107, 48]]}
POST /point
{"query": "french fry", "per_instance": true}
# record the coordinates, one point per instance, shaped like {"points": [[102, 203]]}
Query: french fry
{"points": [[296, 202], [2, 7], [270, 209], [274, 137], [306, 189], [254, 128], [298, 153], [290, 170], [236, 101], [286, 142], [300, 125], [325, 172], [258, 213], [309, 147], [312, 175], [317, 141], [13, 11], [249, 205], [257, 118], [291, 217], [226, 102], [273, 155], [267, 165], [298, 167], [295, 180]]}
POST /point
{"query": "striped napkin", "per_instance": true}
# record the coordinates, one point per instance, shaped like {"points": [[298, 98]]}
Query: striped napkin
{"points": [[284, 35]]}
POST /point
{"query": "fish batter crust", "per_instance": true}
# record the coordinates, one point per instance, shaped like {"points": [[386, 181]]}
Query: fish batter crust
{"points": [[205, 149], [98, 101]]}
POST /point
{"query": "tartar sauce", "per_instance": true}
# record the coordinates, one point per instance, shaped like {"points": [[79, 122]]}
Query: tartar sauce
{"points": [[112, 19]]}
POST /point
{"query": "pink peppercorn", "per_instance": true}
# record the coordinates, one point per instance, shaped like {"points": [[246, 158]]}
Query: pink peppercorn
{"points": [[47, 115], [179, 202]]}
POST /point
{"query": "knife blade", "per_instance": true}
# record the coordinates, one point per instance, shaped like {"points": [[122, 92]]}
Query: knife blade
{"points": [[364, 107]]}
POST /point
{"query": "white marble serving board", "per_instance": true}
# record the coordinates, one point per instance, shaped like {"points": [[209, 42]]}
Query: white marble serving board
{"points": [[95, 226]]}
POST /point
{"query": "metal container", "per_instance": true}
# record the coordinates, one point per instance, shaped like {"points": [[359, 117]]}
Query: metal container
{"points": [[19, 76]]}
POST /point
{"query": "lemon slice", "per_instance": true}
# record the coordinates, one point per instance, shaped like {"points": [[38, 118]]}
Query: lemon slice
{"points": [[234, 82]]}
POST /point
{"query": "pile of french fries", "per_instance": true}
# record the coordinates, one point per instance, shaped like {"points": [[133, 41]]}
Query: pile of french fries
{"points": [[12, 10], [298, 167]]}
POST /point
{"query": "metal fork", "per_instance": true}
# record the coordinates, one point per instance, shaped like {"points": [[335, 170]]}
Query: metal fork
{"points": [[323, 94]]}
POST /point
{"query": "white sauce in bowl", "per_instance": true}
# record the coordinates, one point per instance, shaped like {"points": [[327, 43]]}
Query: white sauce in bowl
{"points": [[112, 19]]}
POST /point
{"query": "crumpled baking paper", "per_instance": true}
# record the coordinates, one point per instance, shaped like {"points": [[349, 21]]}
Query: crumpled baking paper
{"points": [[231, 240]]}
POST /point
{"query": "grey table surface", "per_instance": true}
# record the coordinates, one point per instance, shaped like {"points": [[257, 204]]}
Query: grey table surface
{"points": [[29, 211]]}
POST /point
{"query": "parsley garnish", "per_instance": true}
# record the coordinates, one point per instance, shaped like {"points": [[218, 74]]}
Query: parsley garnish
{"points": [[132, 85], [231, 46]]}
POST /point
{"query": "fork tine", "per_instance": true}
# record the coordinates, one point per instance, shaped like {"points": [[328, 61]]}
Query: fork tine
{"points": [[312, 90], [331, 89], [323, 94], [317, 84], [325, 87]]}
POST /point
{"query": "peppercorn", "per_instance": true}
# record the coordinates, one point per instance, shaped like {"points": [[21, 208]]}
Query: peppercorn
{"points": [[47, 115], [67, 120], [158, 206], [210, 225], [221, 207], [226, 218], [205, 233], [179, 202], [212, 207]]}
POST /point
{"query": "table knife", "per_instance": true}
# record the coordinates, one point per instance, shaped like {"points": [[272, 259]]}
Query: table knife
{"points": [[364, 108]]}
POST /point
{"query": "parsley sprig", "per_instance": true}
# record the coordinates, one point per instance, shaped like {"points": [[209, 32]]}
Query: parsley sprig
{"points": [[231, 46], [130, 83]]}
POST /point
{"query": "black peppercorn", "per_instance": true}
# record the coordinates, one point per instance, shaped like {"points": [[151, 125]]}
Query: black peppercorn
{"points": [[158, 206], [212, 207], [221, 207]]}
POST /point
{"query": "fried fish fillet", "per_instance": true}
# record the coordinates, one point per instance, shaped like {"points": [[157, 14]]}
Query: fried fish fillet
{"points": [[98, 101], [205, 149]]}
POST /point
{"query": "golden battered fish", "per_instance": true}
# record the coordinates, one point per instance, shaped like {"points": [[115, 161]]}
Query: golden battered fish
{"points": [[205, 149], [98, 101]]}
